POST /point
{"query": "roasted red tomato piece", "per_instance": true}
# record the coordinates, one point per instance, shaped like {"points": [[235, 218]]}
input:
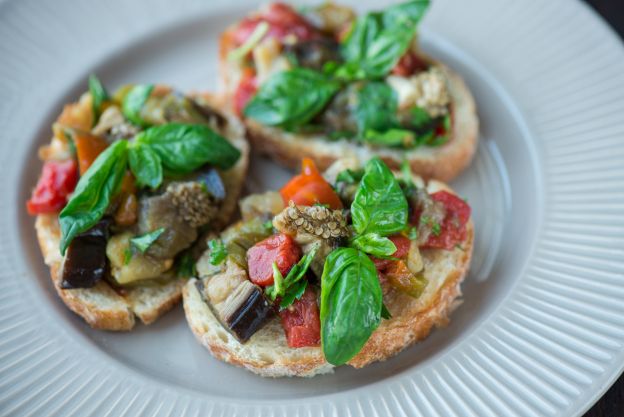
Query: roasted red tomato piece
{"points": [[402, 244], [245, 90], [453, 228], [58, 179], [409, 64], [283, 20], [310, 188], [280, 249], [301, 321]]}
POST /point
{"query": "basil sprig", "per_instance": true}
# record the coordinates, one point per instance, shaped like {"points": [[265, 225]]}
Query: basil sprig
{"points": [[351, 304], [98, 96], [177, 147], [293, 285], [133, 103], [379, 205], [93, 193], [291, 98], [378, 40], [374, 244]]}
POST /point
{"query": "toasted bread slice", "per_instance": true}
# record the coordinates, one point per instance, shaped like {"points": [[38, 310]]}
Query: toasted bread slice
{"points": [[443, 162], [267, 353], [103, 307]]}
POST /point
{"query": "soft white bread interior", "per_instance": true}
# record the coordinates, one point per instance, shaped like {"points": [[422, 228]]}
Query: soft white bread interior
{"points": [[267, 353], [104, 308]]}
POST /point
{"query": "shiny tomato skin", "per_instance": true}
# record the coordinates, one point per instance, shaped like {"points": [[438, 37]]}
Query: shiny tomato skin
{"points": [[402, 244], [309, 188], [453, 227], [281, 249], [301, 321], [245, 90], [58, 179]]}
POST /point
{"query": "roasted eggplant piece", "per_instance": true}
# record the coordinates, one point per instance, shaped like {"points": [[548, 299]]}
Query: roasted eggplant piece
{"points": [[209, 177], [243, 312], [314, 53], [85, 262]]}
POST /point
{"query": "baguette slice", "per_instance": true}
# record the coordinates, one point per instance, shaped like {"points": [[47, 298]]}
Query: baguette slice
{"points": [[267, 353], [102, 307], [444, 162]]}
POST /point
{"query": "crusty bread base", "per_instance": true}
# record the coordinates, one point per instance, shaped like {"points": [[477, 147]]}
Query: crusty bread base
{"points": [[444, 162], [102, 307], [267, 354]]}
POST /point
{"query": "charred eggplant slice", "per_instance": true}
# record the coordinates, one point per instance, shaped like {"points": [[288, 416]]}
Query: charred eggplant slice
{"points": [[244, 312], [85, 262]]}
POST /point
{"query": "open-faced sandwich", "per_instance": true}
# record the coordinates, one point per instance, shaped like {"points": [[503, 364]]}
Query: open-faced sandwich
{"points": [[129, 183], [351, 267], [325, 83]]}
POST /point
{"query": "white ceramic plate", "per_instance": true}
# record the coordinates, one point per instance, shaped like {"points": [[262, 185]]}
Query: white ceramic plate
{"points": [[541, 331]]}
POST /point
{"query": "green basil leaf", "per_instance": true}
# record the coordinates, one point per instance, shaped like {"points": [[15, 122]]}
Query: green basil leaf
{"points": [[142, 243], [184, 148], [376, 107], [374, 244], [289, 287], [351, 303], [378, 40], [295, 292], [134, 101], [94, 192], [98, 96], [146, 166], [390, 138], [218, 251], [291, 98], [419, 119], [379, 205]]}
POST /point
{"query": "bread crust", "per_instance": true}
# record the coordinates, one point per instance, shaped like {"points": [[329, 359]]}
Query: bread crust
{"points": [[104, 308], [267, 354], [444, 162]]}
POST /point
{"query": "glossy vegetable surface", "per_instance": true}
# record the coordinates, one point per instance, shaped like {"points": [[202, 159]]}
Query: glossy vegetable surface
{"points": [[310, 188], [57, 181]]}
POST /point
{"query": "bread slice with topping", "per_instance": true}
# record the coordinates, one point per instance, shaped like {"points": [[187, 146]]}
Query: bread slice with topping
{"points": [[106, 307], [267, 351], [442, 156]]}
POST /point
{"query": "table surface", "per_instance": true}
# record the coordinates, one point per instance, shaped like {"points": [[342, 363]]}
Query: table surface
{"points": [[612, 403]]}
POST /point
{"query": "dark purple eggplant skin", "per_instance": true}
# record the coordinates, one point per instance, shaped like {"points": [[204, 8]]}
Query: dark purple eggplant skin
{"points": [[249, 318], [85, 261]]}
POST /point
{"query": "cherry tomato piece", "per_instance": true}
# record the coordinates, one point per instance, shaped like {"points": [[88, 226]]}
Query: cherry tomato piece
{"points": [[57, 181], [453, 227], [280, 249], [301, 321], [310, 188]]}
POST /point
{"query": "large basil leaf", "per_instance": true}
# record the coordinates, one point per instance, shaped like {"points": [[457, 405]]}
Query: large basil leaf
{"points": [[378, 40], [351, 302], [291, 98], [134, 101], [145, 165], [93, 192], [183, 148], [376, 107], [98, 96], [379, 205]]}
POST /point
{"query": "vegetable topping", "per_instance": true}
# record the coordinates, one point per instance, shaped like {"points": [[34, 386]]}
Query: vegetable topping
{"points": [[279, 249], [301, 321], [310, 188], [57, 181]]}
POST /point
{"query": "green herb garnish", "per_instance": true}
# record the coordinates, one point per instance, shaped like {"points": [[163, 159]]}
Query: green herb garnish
{"points": [[142, 243], [218, 252]]}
